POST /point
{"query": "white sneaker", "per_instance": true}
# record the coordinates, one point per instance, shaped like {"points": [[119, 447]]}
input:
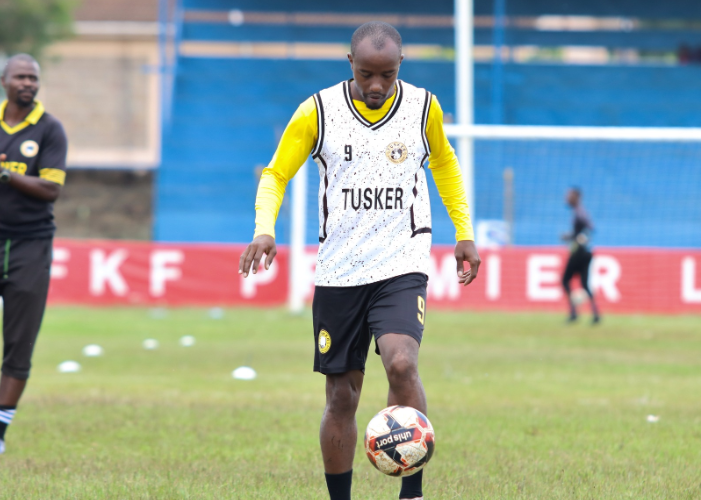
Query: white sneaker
{"points": [[2, 446]]}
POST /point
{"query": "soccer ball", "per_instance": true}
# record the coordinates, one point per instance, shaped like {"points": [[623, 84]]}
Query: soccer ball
{"points": [[399, 441]]}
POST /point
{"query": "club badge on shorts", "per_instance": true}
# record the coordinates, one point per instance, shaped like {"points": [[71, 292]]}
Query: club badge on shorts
{"points": [[396, 152], [29, 149], [324, 341]]}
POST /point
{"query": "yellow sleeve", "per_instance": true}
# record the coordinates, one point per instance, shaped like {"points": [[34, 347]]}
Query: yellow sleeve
{"points": [[447, 174], [54, 175], [296, 144]]}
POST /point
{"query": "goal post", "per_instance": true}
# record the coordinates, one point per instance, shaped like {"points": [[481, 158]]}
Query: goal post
{"points": [[298, 236], [570, 133], [464, 90]]}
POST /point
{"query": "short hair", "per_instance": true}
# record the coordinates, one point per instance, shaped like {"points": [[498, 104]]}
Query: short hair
{"points": [[18, 57], [577, 190], [378, 32]]}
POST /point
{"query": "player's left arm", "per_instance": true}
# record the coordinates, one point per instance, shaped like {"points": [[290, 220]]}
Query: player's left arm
{"points": [[52, 168], [448, 177]]}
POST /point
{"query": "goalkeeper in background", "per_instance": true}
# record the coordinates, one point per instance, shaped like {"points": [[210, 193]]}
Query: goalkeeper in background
{"points": [[580, 254]]}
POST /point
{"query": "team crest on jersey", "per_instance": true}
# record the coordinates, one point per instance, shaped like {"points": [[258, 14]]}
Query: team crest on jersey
{"points": [[396, 152], [29, 149], [324, 341]]}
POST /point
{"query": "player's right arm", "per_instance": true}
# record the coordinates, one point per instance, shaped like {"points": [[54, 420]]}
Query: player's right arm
{"points": [[52, 168], [296, 144]]}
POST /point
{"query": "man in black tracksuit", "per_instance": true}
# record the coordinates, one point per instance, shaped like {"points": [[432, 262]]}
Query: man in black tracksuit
{"points": [[33, 150], [580, 254]]}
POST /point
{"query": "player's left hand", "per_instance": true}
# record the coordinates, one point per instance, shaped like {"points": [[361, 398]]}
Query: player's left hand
{"points": [[466, 251], [263, 245]]}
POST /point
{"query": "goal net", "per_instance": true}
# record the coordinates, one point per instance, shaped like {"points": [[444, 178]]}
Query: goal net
{"points": [[640, 186]]}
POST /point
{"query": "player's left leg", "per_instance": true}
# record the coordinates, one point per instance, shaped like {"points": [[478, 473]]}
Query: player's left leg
{"points": [[570, 271], [25, 289], [396, 317], [400, 357], [584, 277]]}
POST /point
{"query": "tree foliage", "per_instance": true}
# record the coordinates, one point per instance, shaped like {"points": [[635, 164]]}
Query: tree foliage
{"points": [[30, 25]]}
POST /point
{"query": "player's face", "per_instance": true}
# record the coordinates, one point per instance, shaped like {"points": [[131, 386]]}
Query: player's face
{"points": [[572, 198], [21, 82], [375, 72]]}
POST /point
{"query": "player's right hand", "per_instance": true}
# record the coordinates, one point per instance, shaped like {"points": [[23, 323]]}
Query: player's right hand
{"points": [[261, 245]]}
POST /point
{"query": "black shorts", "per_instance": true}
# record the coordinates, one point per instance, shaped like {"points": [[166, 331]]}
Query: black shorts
{"points": [[24, 285], [578, 263], [346, 319]]}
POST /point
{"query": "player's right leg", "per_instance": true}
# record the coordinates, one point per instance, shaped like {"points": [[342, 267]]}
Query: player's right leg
{"points": [[339, 431], [342, 341], [11, 390]]}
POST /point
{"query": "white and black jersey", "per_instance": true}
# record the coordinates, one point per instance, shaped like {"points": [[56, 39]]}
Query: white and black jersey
{"points": [[374, 211]]}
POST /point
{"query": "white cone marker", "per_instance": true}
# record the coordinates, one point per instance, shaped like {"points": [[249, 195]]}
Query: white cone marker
{"points": [[150, 344], [69, 367], [93, 350], [244, 373], [187, 341]]}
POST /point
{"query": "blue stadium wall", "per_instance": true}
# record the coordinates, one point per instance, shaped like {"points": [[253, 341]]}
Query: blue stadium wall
{"points": [[228, 115]]}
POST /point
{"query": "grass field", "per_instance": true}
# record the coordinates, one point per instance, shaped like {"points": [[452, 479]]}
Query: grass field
{"points": [[523, 406]]}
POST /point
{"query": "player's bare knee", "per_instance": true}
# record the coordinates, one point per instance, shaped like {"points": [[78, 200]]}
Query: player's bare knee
{"points": [[342, 402], [342, 395], [401, 370]]}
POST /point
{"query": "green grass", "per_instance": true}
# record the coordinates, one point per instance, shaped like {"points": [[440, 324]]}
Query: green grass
{"points": [[524, 408]]}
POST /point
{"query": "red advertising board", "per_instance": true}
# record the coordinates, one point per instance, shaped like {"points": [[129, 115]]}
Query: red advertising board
{"points": [[627, 280]]}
